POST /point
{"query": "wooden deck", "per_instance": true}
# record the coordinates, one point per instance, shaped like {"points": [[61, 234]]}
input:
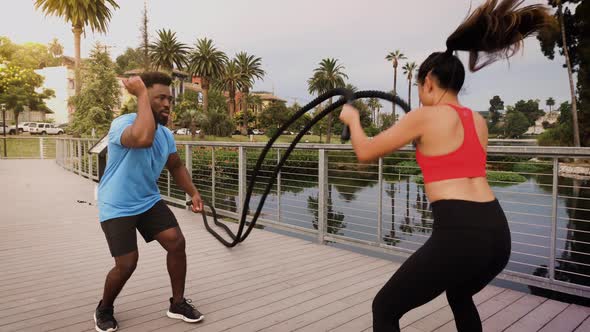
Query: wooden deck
{"points": [[54, 259]]}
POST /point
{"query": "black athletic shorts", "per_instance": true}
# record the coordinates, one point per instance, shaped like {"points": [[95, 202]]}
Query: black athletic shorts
{"points": [[120, 232]]}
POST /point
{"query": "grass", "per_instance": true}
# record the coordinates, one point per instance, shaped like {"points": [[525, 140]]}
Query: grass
{"points": [[26, 147]]}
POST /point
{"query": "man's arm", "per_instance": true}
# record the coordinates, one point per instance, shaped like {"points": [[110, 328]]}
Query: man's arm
{"points": [[141, 133], [184, 180]]}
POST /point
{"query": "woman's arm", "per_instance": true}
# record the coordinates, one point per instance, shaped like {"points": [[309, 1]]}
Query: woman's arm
{"points": [[409, 128]]}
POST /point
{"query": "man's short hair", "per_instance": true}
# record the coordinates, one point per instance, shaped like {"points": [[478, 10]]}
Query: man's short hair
{"points": [[155, 77]]}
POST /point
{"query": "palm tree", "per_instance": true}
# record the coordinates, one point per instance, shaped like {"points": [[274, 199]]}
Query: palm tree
{"points": [[409, 68], [167, 51], [206, 62], [80, 13], [231, 80], [329, 75], [55, 48], [569, 72], [550, 102], [394, 57], [251, 67], [375, 106]]}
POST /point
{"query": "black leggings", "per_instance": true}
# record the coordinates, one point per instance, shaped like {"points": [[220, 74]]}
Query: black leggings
{"points": [[469, 246]]}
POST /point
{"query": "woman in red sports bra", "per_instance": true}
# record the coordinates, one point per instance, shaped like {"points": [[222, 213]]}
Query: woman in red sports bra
{"points": [[470, 241]]}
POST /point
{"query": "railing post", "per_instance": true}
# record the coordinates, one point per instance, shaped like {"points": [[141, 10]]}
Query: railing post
{"points": [[71, 156], [278, 188], [554, 218], [213, 176], [322, 196], [188, 153], [90, 175], [79, 157], [380, 204], [41, 153], [242, 172]]}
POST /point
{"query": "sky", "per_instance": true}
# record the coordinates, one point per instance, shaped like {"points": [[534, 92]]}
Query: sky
{"points": [[292, 37]]}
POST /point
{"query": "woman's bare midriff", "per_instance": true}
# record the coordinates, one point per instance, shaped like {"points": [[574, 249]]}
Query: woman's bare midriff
{"points": [[469, 189]]}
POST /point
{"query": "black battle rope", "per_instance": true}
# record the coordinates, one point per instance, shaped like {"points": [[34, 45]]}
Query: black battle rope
{"points": [[347, 97]]}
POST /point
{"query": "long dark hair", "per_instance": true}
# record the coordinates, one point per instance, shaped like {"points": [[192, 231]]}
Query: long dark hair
{"points": [[495, 30]]}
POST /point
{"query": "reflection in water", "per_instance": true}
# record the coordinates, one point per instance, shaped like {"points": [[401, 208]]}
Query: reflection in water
{"points": [[572, 263], [335, 219]]}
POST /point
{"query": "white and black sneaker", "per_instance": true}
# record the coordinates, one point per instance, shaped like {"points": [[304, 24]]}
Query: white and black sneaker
{"points": [[184, 310], [104, 320]]}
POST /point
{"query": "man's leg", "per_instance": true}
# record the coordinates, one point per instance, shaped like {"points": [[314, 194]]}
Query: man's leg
{"points": [[173, 241], [118, 276]]}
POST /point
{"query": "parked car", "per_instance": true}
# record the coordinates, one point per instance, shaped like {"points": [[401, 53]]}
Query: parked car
{"points": [[44, 128], [186, 131], [257, 131], [22, 127]]}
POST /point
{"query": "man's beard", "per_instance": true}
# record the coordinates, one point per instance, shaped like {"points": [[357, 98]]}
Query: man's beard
{"points": [[161, 119]]}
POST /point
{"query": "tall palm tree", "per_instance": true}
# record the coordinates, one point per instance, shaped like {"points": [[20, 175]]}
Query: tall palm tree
{"points": [[550, 102], [167, 51], [375, 107], [231, 80], [55, 48], [80, 13], [251, 67], [328, 75], [394, 57], [570, 73], [408, 69], [207, 62]]}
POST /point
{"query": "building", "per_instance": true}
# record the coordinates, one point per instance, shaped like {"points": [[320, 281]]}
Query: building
{"points": [[61, 81]]}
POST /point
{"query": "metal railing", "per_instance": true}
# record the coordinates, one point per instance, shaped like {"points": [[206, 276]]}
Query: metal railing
{"points": [[322, 191]]}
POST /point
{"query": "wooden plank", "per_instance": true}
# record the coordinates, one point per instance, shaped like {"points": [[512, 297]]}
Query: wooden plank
{"points": [[488, 308], [584, 326], [537, 318], [567, 320], [512, 313]]}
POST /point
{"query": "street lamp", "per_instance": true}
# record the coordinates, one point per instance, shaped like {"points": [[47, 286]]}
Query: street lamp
{"points": [[3, 108]]}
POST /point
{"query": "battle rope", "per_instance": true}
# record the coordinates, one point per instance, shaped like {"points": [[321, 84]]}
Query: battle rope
{"points": [[347, 96]]}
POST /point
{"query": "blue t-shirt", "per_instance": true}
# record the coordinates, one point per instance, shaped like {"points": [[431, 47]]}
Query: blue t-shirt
{"points": [[129, 183]]}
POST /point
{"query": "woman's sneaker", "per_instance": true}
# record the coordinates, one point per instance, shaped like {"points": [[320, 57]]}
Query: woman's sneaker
{"points": [[184, 310], [104, 320]]}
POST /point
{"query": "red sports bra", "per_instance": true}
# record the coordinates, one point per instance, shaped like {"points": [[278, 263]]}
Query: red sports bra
{"points": [[468, 161]]}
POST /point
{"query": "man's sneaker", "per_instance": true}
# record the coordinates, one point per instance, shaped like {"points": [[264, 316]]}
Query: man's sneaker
{"points": [[184, 310], [104, 320]]}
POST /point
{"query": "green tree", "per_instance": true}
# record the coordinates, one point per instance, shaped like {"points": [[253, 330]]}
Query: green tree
{"points": [[232, 80], [167, 51], [395, 57], [131, 59], [561, 133], [530, 109], [55, 48], [99, 96], [496, 105], [570, 34], [188, 112], [550, 102], [328, 75], [80, 13], [274, 116], [375, 107], [515, 124], [207, 62], [409, 69], [251, 68], [18, 89], [130, 106]]}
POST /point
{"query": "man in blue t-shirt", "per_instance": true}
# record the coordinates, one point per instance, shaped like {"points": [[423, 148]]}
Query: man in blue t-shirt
{"points": [[139, 147]]}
